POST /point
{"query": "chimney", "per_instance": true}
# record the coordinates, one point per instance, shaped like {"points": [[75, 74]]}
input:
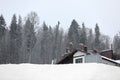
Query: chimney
{"points": [[71, 49], [81, 47], [67, 50], [95, 51], [85, 49]]}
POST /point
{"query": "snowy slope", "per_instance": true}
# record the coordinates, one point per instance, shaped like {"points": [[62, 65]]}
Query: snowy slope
{"points": [[89, 71]]}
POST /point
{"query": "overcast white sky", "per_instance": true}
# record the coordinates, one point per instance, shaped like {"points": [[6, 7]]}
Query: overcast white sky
{"points": [[104, 12]]}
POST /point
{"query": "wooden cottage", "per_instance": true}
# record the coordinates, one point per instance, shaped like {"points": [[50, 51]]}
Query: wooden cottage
{"points": [[85, 56]]}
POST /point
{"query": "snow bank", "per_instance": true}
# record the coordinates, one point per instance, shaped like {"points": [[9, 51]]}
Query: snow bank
{"points": [[88, 71]]}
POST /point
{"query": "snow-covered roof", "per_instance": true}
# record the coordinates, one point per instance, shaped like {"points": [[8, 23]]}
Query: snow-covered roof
{"points": [[118, 61], [88, 71], [110, 59], [106, 50]]}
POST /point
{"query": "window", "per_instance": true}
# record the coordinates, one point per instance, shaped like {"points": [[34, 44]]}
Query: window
{"points": [[79, 60]]}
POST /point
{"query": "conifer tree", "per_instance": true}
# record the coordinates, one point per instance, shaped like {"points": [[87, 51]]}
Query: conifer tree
{"points": [[116, 43], [73, 34], [44, 42], [3, 57], [97, 38], [83, 35], [13, 41], [2, 26], [29, 40], [19, 37], [90, 40]]}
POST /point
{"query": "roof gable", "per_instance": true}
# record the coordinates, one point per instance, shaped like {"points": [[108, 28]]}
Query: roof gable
{"points": [[79, 53], [70, 55]]}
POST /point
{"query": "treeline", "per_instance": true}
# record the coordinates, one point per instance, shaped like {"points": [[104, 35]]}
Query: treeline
{"points": [[25, 41]]}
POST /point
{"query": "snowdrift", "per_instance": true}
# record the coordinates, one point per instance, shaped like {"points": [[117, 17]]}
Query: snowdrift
{"points": [[88, 71]]}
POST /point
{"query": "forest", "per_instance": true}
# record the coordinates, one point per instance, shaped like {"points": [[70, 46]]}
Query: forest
{"points": [[26, 41]]}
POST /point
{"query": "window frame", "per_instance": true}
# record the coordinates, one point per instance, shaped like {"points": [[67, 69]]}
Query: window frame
{"points": [[82, 57]]}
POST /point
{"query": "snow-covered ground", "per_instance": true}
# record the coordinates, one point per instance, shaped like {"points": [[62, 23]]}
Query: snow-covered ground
{"points": [[88, 71]]}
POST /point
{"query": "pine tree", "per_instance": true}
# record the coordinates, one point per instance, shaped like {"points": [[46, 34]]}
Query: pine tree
{"points": [[44, 43], [90, 40], [29, 40], [56, 35], [83, 35], [97, 38], [19, 37], [73, 34], [3, 57], [116, 43], [104, 42], [14, 57], [2, 26]]}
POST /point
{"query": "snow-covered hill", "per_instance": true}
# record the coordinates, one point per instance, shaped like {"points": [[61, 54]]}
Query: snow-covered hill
{"points": [[90, 71]]}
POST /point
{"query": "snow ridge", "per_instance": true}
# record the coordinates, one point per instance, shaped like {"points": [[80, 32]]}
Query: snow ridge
{"points": [[85, 71]]}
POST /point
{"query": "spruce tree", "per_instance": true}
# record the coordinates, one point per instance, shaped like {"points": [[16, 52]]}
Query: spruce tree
{"points": [[116, 43], [29, 40], [44, 43], [3, 57], [90, 40], [56, 35], [2, 26], [19, 37], [13, 41], [97, 38], [73, 34], [83, 35]]}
